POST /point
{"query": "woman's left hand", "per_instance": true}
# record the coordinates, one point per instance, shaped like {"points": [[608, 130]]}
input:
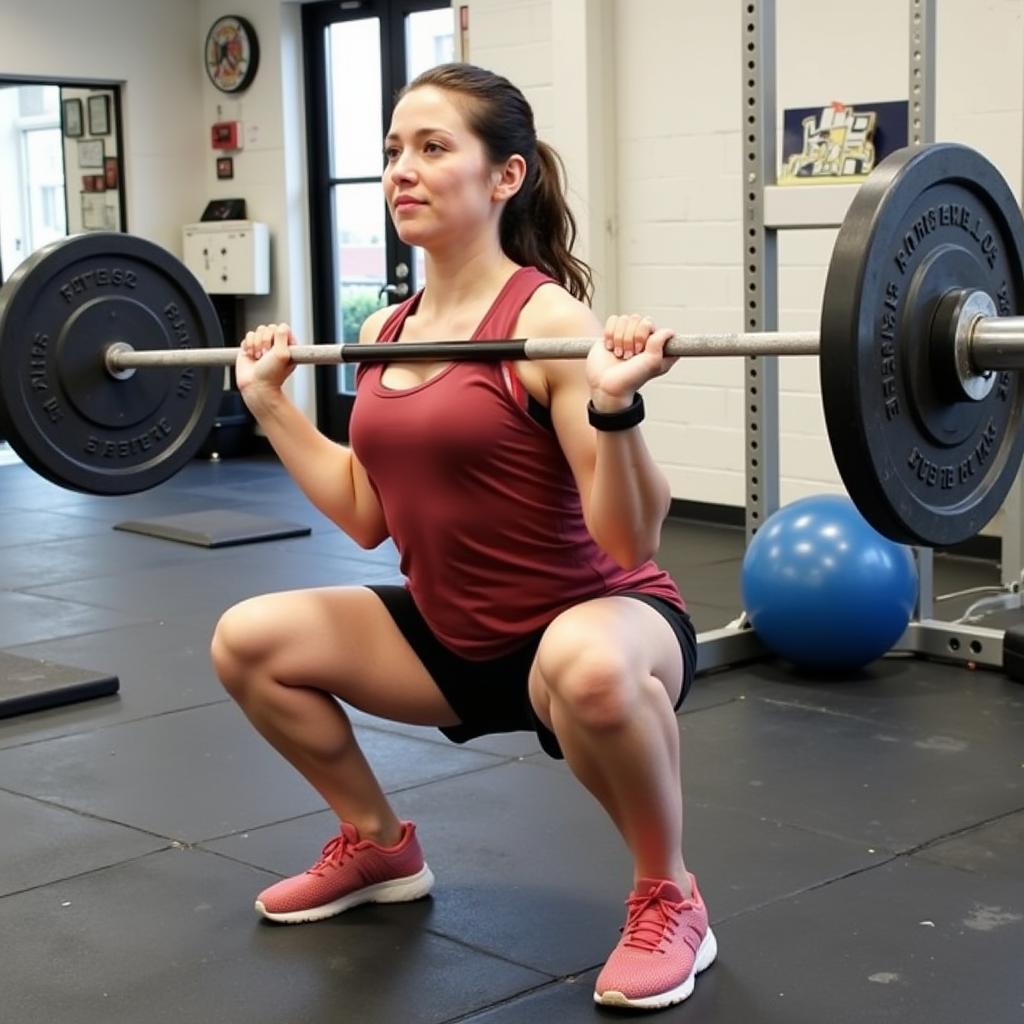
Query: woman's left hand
{"points": [[629, 355]]}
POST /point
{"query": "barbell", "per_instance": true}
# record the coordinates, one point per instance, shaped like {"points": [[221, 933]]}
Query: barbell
{"points": [[921, 336]]}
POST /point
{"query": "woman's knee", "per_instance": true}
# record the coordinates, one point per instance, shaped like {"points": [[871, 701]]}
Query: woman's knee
{"points": [[592, 683], [238, 644]]}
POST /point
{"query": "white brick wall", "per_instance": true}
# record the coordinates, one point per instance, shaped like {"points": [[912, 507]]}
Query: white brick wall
{"points": [[678, 95], [513, 38], [679, 206]]}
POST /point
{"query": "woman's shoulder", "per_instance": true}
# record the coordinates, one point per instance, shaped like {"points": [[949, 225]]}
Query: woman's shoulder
{"points": [[372, 325], [551, 310]]}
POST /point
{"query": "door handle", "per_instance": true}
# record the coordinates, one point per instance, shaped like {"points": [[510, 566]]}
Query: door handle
{"points": [[398, 290]]}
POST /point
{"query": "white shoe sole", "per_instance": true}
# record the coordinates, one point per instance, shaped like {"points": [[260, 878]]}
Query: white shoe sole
{"points": [[706, 954], [398, 890]]}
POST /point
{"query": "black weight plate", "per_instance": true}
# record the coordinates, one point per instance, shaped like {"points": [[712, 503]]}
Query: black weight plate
{"points": [[923, 465], [61, 411]]}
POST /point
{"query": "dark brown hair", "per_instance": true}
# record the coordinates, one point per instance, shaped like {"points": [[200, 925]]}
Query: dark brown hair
{"points": [[537, 227]]}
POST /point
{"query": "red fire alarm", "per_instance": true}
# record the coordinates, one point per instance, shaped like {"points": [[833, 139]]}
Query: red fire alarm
{"points": [[226, 135]]}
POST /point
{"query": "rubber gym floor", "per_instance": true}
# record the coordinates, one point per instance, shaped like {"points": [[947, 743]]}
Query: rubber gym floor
{"points": [[860, 843]]}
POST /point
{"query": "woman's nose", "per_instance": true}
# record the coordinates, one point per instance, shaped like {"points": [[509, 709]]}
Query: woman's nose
{"points": [[402, 169]]}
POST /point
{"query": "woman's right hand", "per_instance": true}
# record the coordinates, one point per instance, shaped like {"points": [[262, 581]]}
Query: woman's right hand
{"points": [[263, 363]]}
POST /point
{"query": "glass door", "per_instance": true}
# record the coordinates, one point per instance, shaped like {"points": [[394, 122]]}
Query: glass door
{"points": [[32, 206], [359, 54]]}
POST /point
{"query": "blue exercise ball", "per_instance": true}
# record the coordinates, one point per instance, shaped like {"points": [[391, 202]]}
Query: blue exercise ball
{"points": [[823, 589]]}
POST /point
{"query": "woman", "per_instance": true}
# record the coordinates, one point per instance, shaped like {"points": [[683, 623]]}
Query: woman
{"points": [[526, 509]]}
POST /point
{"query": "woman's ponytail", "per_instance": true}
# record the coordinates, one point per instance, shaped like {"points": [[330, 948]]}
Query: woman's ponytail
{"points": [[538, 228]]}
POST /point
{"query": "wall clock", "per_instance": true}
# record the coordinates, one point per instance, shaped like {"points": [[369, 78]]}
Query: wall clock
{"points": [[232, 53]]}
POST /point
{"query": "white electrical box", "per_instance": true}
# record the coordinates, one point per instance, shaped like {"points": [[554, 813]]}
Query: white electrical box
{"points": [[229, 257]]}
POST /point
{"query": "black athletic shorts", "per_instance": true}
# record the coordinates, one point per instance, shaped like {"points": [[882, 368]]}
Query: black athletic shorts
{"points": [[491, 696]]}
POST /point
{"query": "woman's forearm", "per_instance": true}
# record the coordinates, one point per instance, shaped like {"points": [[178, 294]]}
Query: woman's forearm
{"points": [[629, 497]]}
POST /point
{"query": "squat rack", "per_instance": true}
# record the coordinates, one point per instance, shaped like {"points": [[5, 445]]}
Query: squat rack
{"points": [[765, 213]]}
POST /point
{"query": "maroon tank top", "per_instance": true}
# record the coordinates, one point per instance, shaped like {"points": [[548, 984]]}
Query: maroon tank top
{"points": [[479, 497]]}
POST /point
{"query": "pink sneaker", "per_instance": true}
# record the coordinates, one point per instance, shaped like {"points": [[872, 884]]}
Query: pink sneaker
{"points": [[350, 871], [666, 942]]}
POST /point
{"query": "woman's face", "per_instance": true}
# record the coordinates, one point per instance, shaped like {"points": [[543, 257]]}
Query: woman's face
{"points": [[438, 183]]}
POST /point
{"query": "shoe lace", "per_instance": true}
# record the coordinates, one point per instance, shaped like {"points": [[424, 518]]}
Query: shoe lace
{"points": [[651, 919], [333, 853]]}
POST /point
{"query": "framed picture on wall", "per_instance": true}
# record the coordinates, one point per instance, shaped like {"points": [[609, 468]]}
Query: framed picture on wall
{"points": [[110, 172], [73, 127], [90, 153], [99, 114], [94, 217]]}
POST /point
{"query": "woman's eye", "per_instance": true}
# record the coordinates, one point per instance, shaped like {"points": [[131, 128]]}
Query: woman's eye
{"points": [[390, 153], [434, 147]]}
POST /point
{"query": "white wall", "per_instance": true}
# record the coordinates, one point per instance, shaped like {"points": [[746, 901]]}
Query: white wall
{"points": [[150, 46], [679, 207], [561, 54], [672, 202], [514, 38]]}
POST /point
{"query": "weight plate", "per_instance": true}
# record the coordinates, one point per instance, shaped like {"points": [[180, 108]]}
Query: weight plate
{"points": [[923, 462], [61, 411]]}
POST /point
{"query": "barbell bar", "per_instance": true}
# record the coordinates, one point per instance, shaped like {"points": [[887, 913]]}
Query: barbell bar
{"points": [[921, 334], [121, 356], [997, 344], [989, 343]]}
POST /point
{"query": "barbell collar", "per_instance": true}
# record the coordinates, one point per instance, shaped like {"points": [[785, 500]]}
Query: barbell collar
{"points": [[121, 358], [957, 314]]}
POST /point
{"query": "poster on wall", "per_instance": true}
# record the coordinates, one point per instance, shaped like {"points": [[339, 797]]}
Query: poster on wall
{"points": [[72, 114], [840, 142], [99, 114], [90, 153], [93, 218]]}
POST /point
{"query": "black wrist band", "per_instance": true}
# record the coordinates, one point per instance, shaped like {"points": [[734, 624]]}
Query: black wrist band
{"points": [[621, 420]]}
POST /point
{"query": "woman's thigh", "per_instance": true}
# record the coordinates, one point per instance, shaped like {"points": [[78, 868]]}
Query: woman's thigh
{"points": [[341, 640]]}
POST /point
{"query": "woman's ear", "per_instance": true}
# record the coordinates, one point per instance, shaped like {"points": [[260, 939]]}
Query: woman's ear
{"points": [[509, 178]]}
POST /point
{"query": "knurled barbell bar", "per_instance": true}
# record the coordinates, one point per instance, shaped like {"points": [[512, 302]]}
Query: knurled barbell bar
{"points": [[984, 341], [122, 357], [920, 334]]}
